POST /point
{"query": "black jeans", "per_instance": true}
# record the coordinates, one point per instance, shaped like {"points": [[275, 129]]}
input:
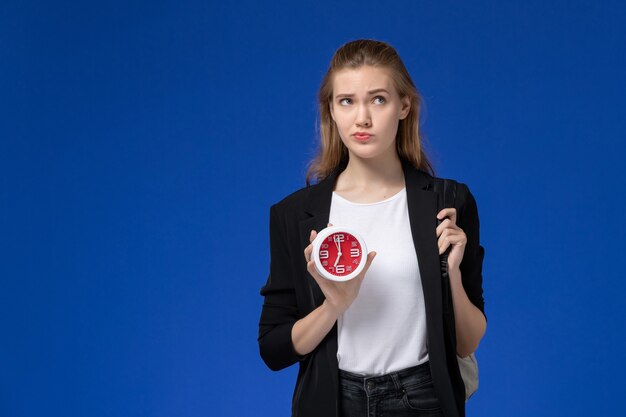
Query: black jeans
{"points": [[409, 392]]}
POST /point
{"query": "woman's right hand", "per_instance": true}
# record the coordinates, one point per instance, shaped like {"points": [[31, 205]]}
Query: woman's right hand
{"points": [[339, 295]]}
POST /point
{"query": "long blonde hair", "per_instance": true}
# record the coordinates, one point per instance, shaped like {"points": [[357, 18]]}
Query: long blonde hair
{"points": [[355, 54]]}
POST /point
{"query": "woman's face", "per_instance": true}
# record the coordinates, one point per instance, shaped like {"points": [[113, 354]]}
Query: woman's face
{"points": [[367, 110]]}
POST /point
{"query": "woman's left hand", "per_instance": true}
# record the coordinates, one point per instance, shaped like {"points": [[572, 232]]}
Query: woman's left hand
{"points": [[448, 233]]}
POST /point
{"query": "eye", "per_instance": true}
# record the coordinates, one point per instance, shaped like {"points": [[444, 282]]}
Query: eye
{"points": [[382, 100], [343, 101]]}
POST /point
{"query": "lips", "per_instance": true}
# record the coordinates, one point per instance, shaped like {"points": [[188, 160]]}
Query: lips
{"points": [[362, 136]]}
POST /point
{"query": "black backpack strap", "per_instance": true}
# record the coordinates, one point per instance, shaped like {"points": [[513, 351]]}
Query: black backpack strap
{"points": [[446, 196]]}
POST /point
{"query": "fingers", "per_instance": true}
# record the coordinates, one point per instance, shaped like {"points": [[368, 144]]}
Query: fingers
{"points": [[309, 249], [447, 212], [368, 262], [310, 266], [446, 224], [451, 237]]}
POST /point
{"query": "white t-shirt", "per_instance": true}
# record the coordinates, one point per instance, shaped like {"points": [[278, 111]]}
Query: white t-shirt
{"points": [[384, 329]]}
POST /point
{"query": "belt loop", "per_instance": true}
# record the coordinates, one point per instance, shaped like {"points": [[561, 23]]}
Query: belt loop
{"points": [[369, 385], [396, 381]]}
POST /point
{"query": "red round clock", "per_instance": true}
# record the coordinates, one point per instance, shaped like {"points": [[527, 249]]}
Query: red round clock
{"points": [[339, 253]]}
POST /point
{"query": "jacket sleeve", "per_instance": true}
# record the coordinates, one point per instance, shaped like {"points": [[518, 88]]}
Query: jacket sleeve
{"points": [[280, 309], [472, 264]]}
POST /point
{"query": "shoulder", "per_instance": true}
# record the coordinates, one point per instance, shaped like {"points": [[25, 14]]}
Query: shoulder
{"points": [[435, 183], [287, 214], [464, 196], [462, 190], [295, 200], [297, 205], [314, 199], [464, 200], [465, 204]]}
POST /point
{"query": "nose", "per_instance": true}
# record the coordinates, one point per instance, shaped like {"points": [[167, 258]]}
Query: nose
{"points": [[363, 118]]}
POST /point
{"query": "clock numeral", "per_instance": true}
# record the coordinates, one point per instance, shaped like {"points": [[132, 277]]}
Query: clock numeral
{"points": [[340, 237], [340, 269], [323, 254], [354, 244], [324, 246], [356, 262], [354, 253]]}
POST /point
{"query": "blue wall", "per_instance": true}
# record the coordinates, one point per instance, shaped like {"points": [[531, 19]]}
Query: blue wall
{"points": [[136, 139]]}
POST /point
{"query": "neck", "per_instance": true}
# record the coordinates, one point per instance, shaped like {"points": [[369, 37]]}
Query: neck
{"points": [[386, 170]]}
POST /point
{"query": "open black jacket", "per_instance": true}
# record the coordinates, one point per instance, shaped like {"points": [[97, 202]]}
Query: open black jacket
{"points": [[291, 293]]}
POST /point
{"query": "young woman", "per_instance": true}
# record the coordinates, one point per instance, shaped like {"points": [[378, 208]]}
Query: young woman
{"points": [[373, 345]]}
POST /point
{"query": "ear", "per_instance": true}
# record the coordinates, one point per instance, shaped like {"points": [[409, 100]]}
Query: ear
{"points": [[406, 107], [332, 109]]}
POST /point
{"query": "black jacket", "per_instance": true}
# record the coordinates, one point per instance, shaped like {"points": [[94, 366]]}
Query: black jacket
{"points": [[291, 293]]}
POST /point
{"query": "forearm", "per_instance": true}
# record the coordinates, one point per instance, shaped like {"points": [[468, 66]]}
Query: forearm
{"points": [[469, 320], [310, 330]]}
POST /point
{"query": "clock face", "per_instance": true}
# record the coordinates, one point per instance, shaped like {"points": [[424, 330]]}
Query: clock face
{"points": [[339, 254]]}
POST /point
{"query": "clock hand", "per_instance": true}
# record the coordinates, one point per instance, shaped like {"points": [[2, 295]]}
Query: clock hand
{"points": [[338, 244]]}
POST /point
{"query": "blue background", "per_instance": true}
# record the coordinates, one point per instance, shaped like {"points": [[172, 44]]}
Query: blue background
{"points": [[142, 144]]}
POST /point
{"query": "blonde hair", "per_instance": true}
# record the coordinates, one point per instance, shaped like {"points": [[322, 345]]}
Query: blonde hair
{"points": [[332, 152]]}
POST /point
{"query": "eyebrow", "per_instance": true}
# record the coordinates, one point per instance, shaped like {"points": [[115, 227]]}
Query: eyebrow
{"points": [[378, 90]]}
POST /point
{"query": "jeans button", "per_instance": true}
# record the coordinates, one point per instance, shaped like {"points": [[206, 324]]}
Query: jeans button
{"points": [[370, 385]]}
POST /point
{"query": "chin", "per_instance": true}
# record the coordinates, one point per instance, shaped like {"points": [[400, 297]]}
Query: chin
{"points": [[368, 152], [366, 155]]}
